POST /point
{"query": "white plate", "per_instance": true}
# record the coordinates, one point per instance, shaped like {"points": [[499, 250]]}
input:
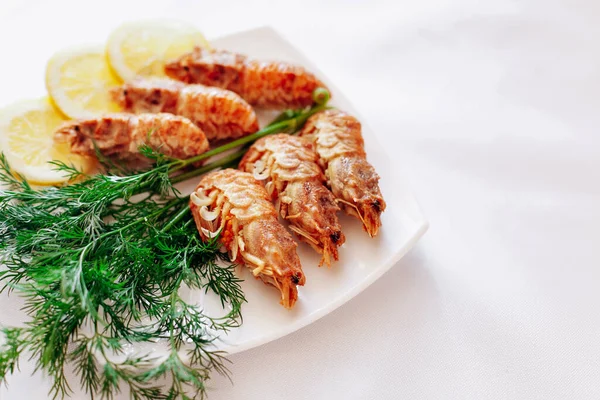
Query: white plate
{"points": [[362, 259]]}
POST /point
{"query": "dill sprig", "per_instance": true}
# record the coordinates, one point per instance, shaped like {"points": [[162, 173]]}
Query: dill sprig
{"points": [[101, 263]]}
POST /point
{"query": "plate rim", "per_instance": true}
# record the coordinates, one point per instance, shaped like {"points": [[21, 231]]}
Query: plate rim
{"points": [[416, 231]]}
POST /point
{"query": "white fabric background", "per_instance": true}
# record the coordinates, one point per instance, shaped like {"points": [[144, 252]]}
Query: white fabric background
{"points": [[491, 109]]}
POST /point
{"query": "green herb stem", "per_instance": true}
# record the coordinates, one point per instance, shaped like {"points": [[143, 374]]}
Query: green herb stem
{"points": [[185, 210], [223, 162], [291, 124]]}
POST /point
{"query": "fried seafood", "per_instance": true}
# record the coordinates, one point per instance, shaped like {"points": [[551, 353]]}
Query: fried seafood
{"points": [[296, 182], [234, 205], [121, 135], [266, 84], [338, 140], [220, 113]]}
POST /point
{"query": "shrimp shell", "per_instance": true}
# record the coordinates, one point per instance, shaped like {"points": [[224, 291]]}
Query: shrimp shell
{"points": [[251, 232], [121, 135], [220, 113], [295, 178], [261, 83], [338, 139]]}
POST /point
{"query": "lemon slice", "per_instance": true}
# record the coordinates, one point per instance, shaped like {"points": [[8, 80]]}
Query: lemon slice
{"points": [[26, 139], [143, 47], [79, 82]]}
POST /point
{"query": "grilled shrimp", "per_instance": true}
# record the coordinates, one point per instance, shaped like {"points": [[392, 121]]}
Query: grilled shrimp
{"points": [[261, 83], [353, 181], [121, 135], [295, 180], [220, 113], [237, 206]]}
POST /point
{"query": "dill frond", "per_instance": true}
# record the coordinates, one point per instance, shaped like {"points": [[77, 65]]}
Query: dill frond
{"points": [[101, 261]]}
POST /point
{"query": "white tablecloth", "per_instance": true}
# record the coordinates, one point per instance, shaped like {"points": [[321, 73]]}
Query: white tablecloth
{"points": [[491, 109]]}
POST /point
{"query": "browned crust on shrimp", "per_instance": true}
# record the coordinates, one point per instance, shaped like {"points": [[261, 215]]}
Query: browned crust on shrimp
{"points": [[267, 84], [353, 181], [235, 204], [121, 135], [220, 113], [296, 182]]}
